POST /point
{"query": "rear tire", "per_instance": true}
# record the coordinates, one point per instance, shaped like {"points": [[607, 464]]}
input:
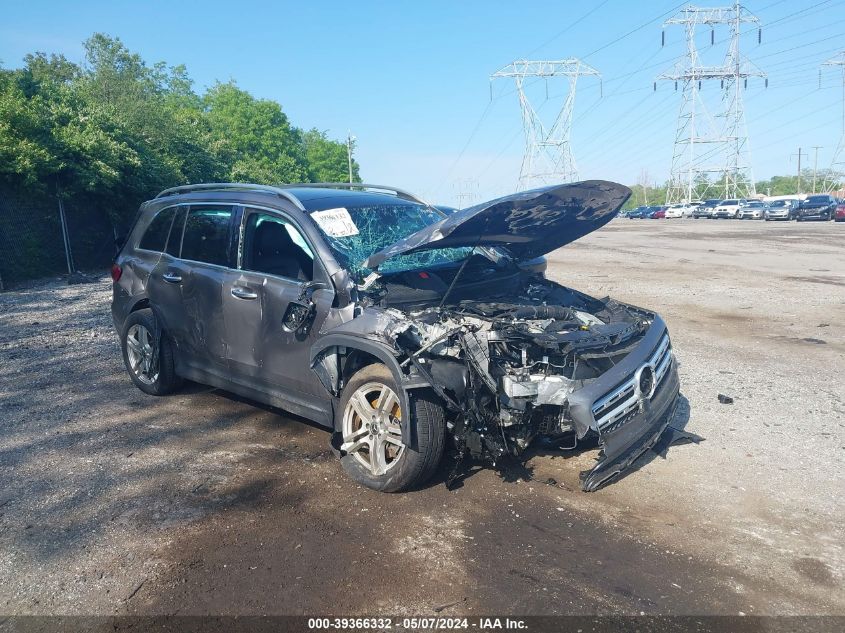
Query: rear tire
{"points": [[369, 418], [148, 354]]}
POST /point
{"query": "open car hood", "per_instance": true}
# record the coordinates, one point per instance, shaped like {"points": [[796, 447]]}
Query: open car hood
{"points": [[529, 223]]}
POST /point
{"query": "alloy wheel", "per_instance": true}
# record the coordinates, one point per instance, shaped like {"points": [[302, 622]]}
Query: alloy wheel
{"points": [[140, 349], [371, 428]]}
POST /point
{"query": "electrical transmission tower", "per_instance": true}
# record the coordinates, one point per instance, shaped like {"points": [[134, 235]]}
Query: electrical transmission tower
{"points": [[466, 190], [548, 154], [836, 173], [707, 143]]}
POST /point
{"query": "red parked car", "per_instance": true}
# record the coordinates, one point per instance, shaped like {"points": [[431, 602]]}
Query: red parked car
{"points": [[839, 214], [660, 214]]}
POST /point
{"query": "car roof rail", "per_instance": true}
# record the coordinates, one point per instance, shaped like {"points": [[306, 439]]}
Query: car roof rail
{"points": [[232, 186], [399, 193]]}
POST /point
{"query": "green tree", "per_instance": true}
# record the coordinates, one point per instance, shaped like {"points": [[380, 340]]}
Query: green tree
{"points": [[327, 160], [115, 130], [255, 137]]}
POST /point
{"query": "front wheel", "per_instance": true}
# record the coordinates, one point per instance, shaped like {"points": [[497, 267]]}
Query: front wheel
{"points": [[371, 414]]}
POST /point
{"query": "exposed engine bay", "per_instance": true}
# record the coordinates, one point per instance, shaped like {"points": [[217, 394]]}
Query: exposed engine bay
{"points": [[507, 366]]}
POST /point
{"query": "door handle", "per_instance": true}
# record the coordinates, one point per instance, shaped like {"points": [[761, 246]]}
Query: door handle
{"points": [[243, 293], [172, 278]]}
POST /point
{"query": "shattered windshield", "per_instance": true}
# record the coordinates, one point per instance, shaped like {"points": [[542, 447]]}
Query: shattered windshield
{"points": [[355, 233]]}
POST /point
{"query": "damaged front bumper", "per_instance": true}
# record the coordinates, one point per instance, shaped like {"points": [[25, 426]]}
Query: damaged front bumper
{"points": [[622, 446], [629, 407]]}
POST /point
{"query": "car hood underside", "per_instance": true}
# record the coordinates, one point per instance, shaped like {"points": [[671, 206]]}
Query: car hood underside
{"points": [[528, 224]]}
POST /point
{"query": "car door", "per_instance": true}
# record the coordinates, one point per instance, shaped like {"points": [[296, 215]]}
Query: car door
{"points": [[186, 285], [277, 275]]}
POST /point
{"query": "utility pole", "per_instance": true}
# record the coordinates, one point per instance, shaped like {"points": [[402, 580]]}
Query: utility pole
{"points": [[643, 182], [548, 155], [816, 149], [836, 174], [350, 144], [799, 169], [698, 138]]}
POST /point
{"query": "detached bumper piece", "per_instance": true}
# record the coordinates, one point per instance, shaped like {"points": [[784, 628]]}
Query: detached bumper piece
{"points": [[625, 441]]}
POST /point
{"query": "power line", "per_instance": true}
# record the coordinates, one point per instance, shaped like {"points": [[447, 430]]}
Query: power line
{"points": [[568, 28]]}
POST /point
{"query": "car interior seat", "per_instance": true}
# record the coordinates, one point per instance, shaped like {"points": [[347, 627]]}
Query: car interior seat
{"points": [[275, 253]]}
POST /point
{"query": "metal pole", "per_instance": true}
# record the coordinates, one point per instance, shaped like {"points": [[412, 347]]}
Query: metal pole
{"points": [[349, 154], [65, 237], [799, 170], [815, 165]]}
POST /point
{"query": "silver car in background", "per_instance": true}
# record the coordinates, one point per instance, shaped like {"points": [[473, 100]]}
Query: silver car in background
{"points": [[786, 209], [753, 210]]}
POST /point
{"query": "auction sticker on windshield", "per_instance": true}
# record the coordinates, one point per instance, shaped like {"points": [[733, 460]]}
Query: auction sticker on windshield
{"points": [[336, 222]]}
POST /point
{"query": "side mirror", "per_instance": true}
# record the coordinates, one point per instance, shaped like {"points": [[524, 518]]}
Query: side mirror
{"points": [[300, 312]]}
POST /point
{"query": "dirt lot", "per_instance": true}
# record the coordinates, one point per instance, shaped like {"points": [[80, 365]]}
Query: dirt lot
{"points": [[114, 502]]}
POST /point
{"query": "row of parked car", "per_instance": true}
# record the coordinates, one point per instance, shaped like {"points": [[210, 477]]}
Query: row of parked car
{"points": [[814, 207]]}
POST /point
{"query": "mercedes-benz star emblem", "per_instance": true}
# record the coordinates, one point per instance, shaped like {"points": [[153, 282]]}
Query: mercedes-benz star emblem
{"points": [[646, 381]]}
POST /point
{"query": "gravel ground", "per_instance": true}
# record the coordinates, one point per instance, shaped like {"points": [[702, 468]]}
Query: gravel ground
{"points": [[115, 502]]}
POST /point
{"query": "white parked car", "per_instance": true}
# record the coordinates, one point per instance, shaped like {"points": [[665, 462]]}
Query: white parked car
{"points": [[681, 210], [728, 209]]}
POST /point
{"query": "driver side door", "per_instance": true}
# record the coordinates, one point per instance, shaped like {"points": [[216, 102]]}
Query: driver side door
{"points": [[276, 272]]}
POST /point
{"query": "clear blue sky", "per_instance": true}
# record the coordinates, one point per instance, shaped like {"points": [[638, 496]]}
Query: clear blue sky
{"points": [[410, 79]]}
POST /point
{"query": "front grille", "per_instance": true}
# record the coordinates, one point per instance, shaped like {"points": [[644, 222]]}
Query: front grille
{"points": [[614, 407]]}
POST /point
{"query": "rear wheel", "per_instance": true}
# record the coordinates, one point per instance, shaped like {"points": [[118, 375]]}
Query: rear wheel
{"points": [[373, 453], [148, 354]]}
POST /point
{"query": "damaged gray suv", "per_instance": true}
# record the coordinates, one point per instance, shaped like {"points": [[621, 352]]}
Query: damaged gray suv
{"points": [[400, 329]]}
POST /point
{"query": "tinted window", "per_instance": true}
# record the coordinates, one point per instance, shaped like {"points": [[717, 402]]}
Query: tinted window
{"points": [[816, 199], [276, 247], [156, 235], [206, 237], [730, 202]]}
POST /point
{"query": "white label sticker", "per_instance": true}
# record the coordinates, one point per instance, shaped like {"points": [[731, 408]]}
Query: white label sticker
{"points": [[336, 222]]}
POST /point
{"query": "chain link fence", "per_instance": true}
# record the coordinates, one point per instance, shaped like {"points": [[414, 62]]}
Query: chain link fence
{"points": [[34, 244]]}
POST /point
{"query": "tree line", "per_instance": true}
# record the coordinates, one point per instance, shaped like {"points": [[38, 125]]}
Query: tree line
{"points": [[116, 130]]}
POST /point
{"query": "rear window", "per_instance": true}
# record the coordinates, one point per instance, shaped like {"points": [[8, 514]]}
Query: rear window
{"points": [[206, 237], [155, 237], [818, 199]]}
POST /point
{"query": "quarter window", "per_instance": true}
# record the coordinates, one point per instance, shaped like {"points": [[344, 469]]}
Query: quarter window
{"points": [[155, 237], [206, 237]]}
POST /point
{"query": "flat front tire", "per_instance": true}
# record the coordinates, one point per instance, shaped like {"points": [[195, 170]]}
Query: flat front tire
{"points": [[370, 417], [148, 354]]}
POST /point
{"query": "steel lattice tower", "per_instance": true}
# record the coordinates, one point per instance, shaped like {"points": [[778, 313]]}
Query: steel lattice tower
{"points": [[837, 165], [548, 155], [705, 143]]}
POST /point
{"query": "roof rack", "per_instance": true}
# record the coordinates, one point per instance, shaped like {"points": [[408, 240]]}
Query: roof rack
{"points": [[232, 186], [280, 190], [399, 193]]}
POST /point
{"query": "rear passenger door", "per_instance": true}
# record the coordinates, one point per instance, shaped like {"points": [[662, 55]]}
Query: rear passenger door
{"points": [[186, 285]]}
